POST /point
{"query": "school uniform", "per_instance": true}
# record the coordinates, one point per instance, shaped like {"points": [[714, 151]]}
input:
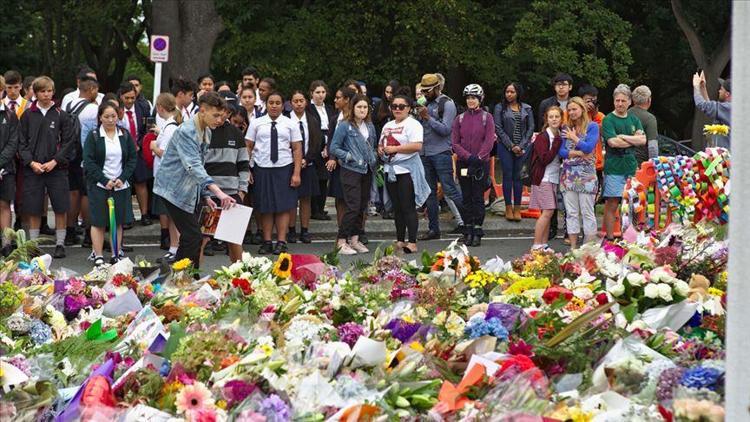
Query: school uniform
{"points": [[133, 120], [189, 111], [274, 163], [73, 96], [335, 190], [106, 159], [167, 129], [309, 128], [8, 147], [88, 120], [323, 114], [18, 106]]}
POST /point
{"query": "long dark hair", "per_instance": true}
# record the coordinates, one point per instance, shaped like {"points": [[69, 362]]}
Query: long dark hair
{"points": [[349, 94], [384, 111], [358, 98], [519, 94]]}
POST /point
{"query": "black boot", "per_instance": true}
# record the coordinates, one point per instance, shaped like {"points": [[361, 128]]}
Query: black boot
{"points": [[468, 235], [71, 237]]}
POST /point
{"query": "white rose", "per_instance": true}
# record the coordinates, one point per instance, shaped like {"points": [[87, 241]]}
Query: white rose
{"points": [[651, 291], [636, 279], [659, 274], [665, 291], [681, 288], [616, 289], [246, 257]]}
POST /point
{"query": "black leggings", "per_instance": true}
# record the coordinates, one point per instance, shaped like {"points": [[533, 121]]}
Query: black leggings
{"points": [[473, 195], [190, 233], [404, 207], [356, 189]]}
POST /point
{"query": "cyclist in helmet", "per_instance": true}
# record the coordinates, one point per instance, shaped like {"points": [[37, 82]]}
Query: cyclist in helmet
{"points": [[473, 137]]}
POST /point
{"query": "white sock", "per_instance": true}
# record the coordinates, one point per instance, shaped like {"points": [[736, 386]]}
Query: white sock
{"points": [[173, 250], [60, 237]]}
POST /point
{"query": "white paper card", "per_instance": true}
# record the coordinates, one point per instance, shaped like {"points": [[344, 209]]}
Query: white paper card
{"points": [[233, 224]]}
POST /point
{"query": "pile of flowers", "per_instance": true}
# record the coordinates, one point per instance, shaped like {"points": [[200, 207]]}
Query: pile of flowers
{"points": [[620, 331]]}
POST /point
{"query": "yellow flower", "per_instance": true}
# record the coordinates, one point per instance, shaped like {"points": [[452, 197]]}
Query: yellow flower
{"points": [[715, 292], [182, 264], [267, 349], [283, 266], [221, 404], [716, 130], [526, 283]]}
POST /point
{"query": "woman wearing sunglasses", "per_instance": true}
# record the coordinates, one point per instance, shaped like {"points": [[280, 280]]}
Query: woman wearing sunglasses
{"points": [[399, 146]]}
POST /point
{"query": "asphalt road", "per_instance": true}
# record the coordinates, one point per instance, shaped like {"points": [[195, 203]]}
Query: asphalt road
{"points": [[506, 248]]}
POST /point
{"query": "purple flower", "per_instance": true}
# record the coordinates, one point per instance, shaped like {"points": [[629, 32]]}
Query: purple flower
{"points": [[402, 330], [73, 305], [275, 409], [508, 314], [237, 390], [668, 380], [350, 332], [20, 362]]}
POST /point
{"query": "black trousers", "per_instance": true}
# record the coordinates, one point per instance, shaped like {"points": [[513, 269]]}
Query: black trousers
{"points": [[318, 202], [356, 189], [473, 189], [190, 233], [404, 206]]}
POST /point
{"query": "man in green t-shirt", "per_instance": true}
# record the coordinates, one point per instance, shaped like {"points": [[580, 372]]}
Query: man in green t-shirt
{"points": [[623, 133]]}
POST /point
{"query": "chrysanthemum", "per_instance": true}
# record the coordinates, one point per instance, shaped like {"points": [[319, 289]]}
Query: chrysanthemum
{"points": [[194, 397], [182, 264], [283, 266]]}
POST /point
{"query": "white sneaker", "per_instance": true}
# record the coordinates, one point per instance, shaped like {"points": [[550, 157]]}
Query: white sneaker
{"points": [[358, 246], [345, 249], [92, 257]]}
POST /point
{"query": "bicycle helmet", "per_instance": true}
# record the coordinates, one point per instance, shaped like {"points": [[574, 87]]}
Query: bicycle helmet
{"points": [[474, 90]]}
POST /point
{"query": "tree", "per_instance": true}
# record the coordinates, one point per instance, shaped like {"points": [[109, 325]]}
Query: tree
{"points": [[192, 27], [712, 64], [580, 37]]}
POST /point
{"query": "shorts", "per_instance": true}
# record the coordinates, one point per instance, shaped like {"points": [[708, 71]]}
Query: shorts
{"points": [[76, 180], [54, 184], [614, 184]]}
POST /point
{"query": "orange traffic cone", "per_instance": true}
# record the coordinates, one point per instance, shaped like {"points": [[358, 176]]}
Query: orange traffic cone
{"points": [[617, 230]]}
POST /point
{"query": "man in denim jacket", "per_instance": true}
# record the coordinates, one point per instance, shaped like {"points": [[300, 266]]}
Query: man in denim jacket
{"points": [[437, 117]]}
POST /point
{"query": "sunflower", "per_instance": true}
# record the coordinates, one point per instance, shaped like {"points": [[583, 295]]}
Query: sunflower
{"points": [[283, 266], [182, 264], [194, 397]]}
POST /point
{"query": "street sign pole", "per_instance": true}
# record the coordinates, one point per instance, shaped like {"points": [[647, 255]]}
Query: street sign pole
{"points": [[159, 55]]}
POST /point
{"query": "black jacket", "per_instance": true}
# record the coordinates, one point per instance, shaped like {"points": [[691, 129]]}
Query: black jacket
{"points": [[46, 137], [8, 140], [315, 137]]}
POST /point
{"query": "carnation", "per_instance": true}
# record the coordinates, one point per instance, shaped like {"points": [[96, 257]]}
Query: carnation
{"points": [[350, 332], [617, 289]]}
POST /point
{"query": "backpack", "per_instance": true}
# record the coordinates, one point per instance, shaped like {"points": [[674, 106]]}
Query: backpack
{"points": [[485, 117], [146, 153], [76, 153], [441, 100]]}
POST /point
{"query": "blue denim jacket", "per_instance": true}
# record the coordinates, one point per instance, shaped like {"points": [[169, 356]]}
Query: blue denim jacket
{"points": [[181, 178], [353, 151]]}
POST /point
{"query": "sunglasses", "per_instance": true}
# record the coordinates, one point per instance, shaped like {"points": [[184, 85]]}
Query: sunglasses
{"points": [[399, 107]]}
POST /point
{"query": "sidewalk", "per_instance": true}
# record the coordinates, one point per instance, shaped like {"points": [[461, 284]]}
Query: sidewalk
{"points": [[376, 227]]}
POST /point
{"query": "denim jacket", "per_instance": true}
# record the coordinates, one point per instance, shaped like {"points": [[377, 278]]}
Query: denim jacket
{"points": [[416, 169], [181, 178], [504, 124], [353, 151]]}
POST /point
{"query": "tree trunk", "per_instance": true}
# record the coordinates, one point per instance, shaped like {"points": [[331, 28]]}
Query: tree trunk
{"points": [[712, 65], [192, 27]]}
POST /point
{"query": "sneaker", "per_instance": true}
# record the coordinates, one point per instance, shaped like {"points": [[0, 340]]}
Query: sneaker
{"points": [[146, 221], [168, 258], [291, 237], [91, 257], [320, 216], [345, 249], [71, 237], [46, 230], [305, 237], [280, 248], [460, 229], [266, 248], [98, 261], [476, 241], [358, 246], [59, 252]]}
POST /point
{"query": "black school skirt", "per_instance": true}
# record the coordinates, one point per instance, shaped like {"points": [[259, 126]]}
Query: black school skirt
{"points": [[271, 192]]}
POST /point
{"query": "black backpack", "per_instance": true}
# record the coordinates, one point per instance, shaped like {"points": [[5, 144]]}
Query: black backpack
{"points": [[76, 153]]}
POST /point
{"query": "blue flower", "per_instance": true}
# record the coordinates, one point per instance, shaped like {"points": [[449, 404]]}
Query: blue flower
{"points": [[490, 327], [695, 320], [165, 368], [40, 332], [701, 377]]}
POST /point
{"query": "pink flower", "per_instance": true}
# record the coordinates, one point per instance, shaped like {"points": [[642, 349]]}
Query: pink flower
{"points": [[194, 397]]}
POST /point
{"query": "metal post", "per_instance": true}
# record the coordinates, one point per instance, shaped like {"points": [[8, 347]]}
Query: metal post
{"points": [[157, 81], [738, 331]]}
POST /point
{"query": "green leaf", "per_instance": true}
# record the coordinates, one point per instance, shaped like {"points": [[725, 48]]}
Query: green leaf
{"points": [[630, 311]]}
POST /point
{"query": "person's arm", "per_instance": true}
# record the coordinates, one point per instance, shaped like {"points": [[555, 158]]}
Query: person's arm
{"points": [[9, 151], [67, 139], [651, 128], [243, 168], [128, 167], [542, 151], [92, 169], [335, 146], [529, 132], [297, 156], [443, 126], [458, 149], [638, 138], [708, 107], [502, 136], [563, 152], [488, 143], [189, 153], [587, 144]]}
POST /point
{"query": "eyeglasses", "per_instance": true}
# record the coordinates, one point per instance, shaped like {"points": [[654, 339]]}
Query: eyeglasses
{"points": [[399, 107], [426, 90]]}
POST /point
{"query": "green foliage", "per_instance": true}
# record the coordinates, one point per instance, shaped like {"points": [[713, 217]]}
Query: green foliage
{"points": [[580, 37]]}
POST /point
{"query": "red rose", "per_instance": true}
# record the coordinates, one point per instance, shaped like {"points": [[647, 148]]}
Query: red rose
{"points": [[551, 294], [243, 285], [602, 298]]}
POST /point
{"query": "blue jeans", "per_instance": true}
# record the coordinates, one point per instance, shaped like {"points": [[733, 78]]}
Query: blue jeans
{"points": [[440, 167], [511, 164]]}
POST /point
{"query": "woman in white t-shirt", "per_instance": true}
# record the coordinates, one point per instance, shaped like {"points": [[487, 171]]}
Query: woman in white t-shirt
{"points": [[399, 146], [171, 117]]}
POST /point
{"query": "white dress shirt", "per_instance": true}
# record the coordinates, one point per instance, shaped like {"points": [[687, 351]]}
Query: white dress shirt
{"points": [[259, 132]]}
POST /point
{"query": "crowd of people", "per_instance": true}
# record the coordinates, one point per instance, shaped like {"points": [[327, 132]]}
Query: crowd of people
{"points": [[217, 143]]}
